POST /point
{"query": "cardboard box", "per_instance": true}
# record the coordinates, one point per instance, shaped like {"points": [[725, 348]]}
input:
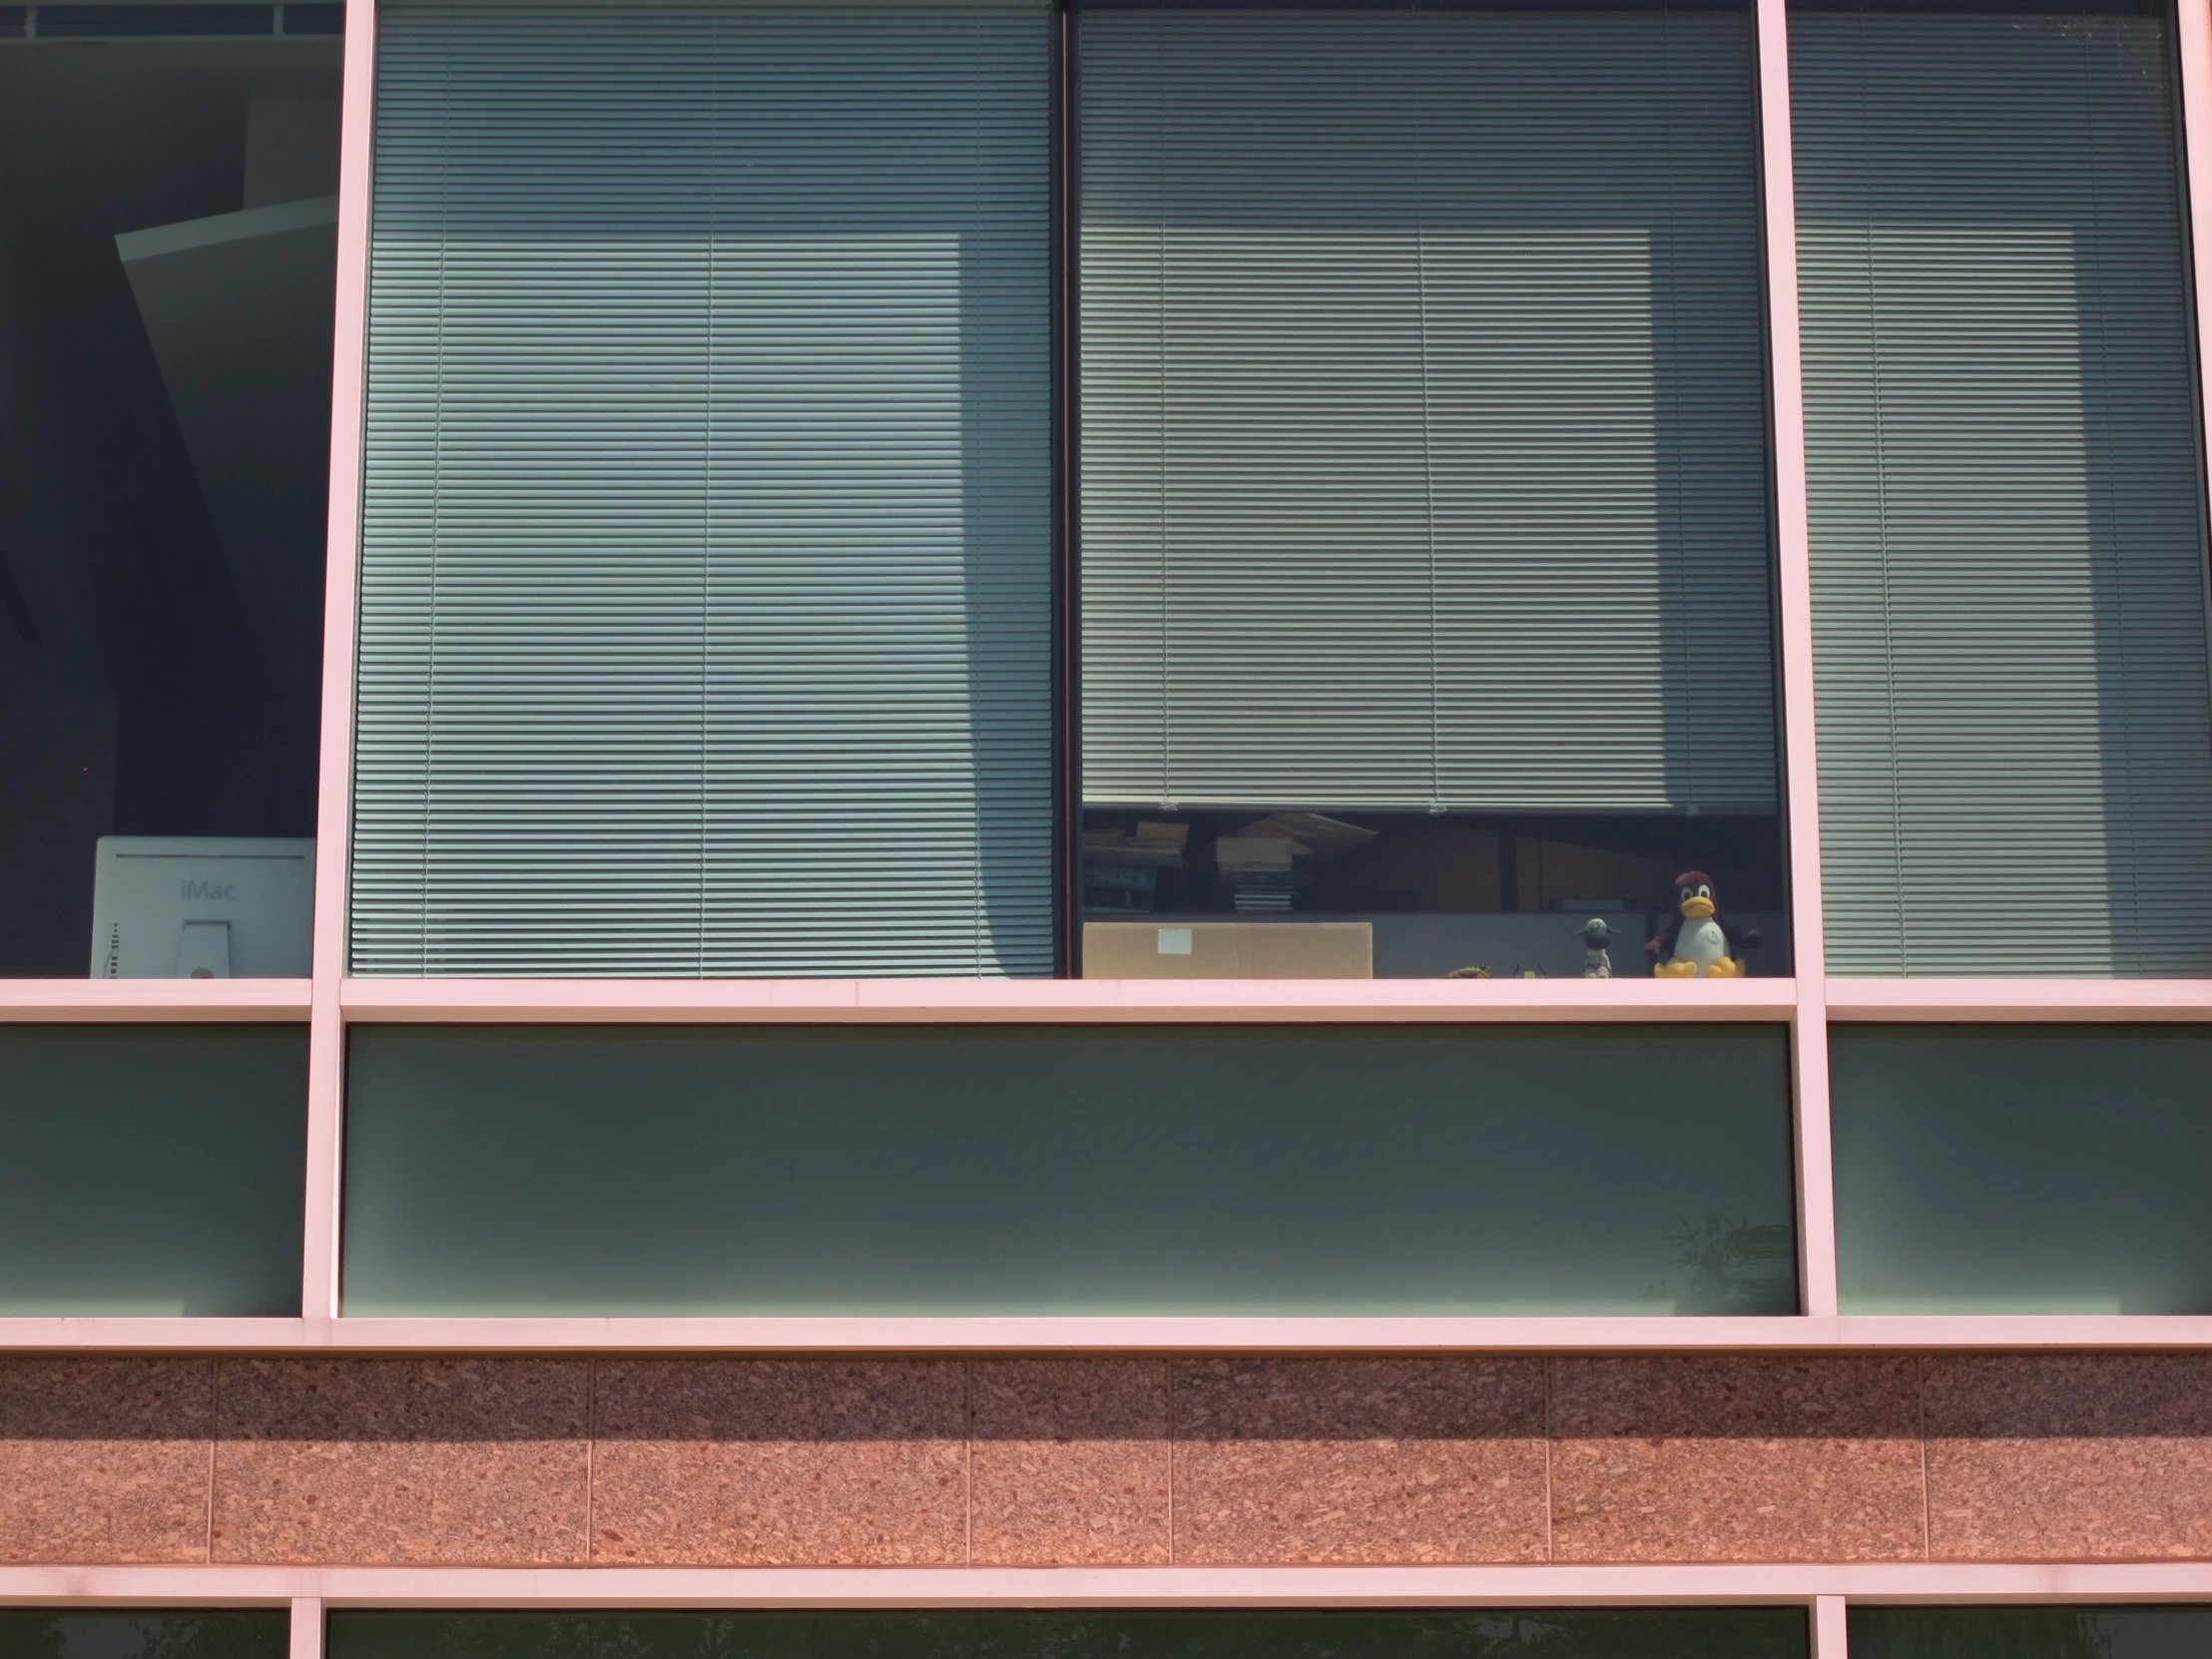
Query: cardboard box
{"points": [[1229, 950], [1268, 852]]}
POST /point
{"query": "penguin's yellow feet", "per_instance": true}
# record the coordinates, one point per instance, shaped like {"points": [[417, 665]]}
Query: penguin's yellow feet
{"points": [[1674, 971], [1726, 968]]}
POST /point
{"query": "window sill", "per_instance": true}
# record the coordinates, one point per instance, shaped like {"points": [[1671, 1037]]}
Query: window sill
{"points": [[1136, 1334]]}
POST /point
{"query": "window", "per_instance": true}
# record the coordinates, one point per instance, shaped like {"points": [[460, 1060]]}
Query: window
{"points": [[168, 247], [2009, 547], [1501, 1633], [706, 560], [1425, 547], [599, 1170], [145, 1633], [152, 1168], [2028, 1632], [1994, 1169]]}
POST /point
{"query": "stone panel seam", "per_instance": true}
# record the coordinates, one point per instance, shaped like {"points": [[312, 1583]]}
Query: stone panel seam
{"points": [[215, 1432], [967, 1459], [1928, 1511], [591, 1459], [1549, 1549], [1170, 1365]]}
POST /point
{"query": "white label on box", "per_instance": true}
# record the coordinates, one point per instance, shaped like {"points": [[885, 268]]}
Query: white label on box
{"points": [[1175, 941]]}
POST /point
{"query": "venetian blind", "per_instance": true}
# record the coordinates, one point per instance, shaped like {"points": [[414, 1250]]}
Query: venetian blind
{"points": [[706, 567], [2016, 733], [1423, 408]]}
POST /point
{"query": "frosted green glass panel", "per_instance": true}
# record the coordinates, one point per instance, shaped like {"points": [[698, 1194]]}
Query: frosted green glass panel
{"points": [[611, 1171], [152, 1168], [2030, 1632], [1499, 1633], [2010, 1170], [213, 1633]]}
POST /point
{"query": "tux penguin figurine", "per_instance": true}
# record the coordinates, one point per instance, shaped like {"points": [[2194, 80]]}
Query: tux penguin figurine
{"points": [[1597, 961], [1697, 943]]}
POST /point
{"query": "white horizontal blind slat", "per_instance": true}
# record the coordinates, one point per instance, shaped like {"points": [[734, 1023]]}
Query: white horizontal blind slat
{"points": [[1422, 410], [2015, 730], [706, 571]]}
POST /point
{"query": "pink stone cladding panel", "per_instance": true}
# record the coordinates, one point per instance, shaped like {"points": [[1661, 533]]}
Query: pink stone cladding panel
{"points": [[1070, 1462], [1736, 1458], [105, 1460], [2052, 1458], [482, 1463], [1105, 1461], [1350, 1461], [785, 1462]]}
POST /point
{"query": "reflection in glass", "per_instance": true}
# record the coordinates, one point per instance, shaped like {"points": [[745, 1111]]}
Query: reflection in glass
{"points": [[145, 1633], [1193, 1170], [168, 247], [1425, 600]]}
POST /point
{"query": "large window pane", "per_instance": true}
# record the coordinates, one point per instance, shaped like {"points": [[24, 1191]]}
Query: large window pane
{"points": [[1501, 1633], [609, 1171], [706, 566], [145, 1633], [2008, 554], [1424, 549], [2004, 1170], [152, 1170], [2030, 1632], [168, 281]]}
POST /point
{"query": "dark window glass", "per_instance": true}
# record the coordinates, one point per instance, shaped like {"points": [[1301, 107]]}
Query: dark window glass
{"points": [[1505, 1633], [2030, 1632], [152, 1168], [1232, 1170], [98, 22], [168, 271], [214, 1633], [2003, 1169]]}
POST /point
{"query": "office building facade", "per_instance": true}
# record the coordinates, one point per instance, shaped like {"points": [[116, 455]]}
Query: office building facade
{"points": [[995, 827]]}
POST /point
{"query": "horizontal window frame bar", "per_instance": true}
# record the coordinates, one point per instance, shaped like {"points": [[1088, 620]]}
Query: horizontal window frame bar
{"points": [[1058, 1001], [1546, 1586], [1106, 1002], [1117, 1333], [155, 1001]]}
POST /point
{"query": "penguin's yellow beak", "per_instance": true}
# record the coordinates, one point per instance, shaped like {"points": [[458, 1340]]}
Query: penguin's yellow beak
{"points": [[1697, 909]]}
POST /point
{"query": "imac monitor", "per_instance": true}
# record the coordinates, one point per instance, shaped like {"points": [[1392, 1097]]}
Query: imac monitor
{"points": [[202, 907]]}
